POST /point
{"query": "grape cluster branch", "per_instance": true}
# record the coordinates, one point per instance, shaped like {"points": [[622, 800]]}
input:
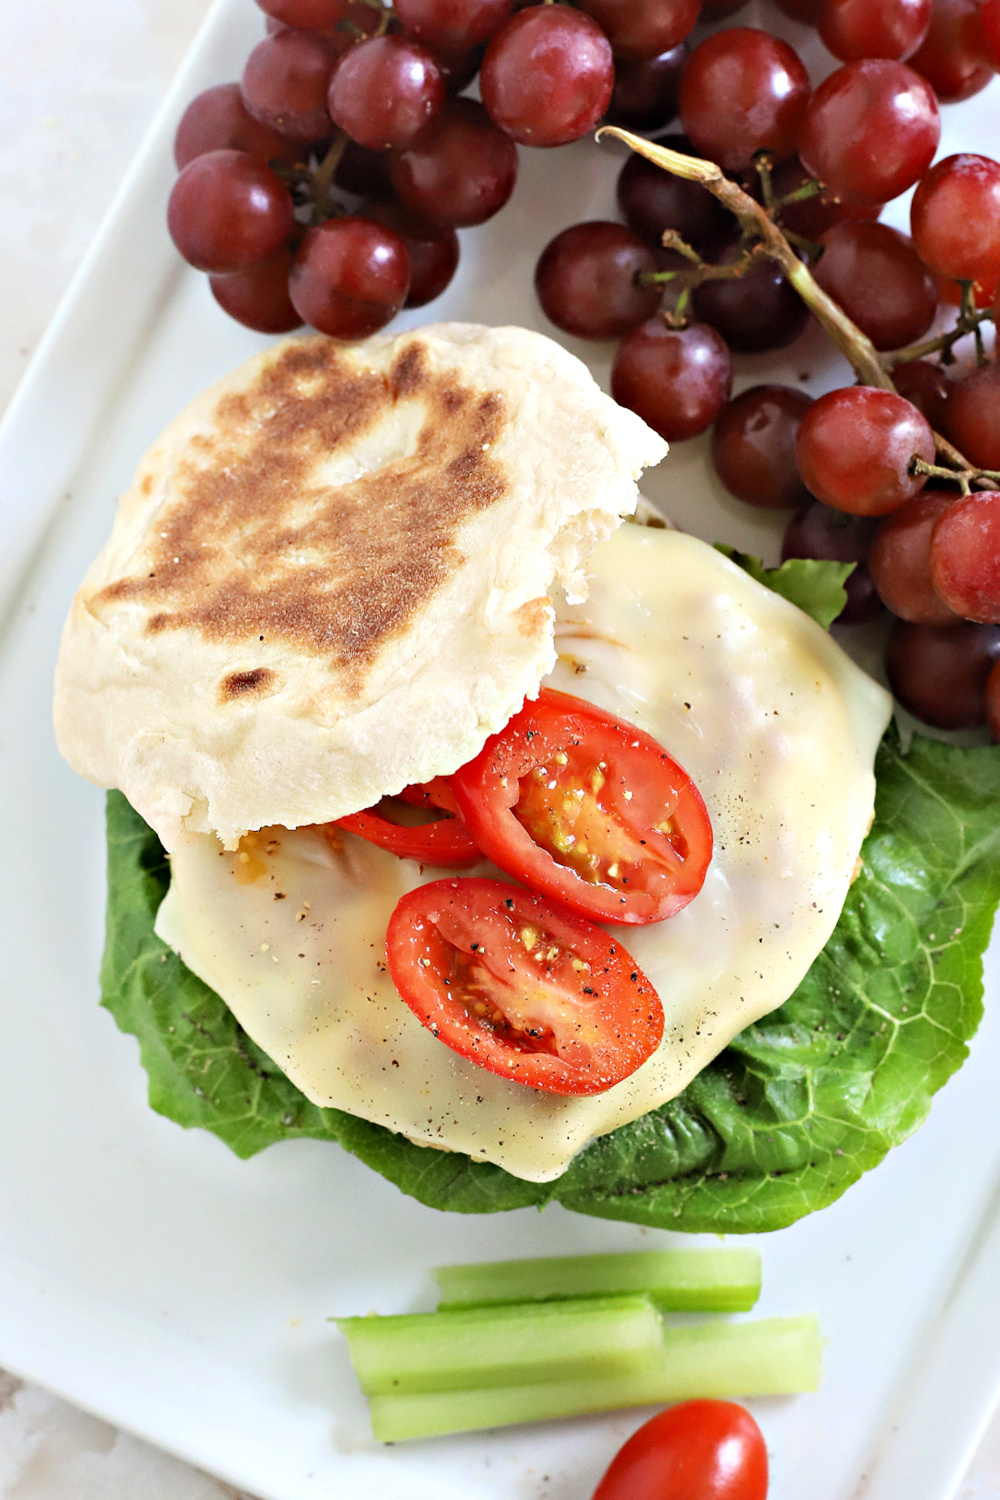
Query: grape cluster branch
{"points": [[687, 278], [936, 471], [968, 322], [756, 221], [758, 224], [704, 270], [324, 206]]}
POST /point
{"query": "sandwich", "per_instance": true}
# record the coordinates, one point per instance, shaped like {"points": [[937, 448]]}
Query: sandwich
{"points": [[354, 587]]}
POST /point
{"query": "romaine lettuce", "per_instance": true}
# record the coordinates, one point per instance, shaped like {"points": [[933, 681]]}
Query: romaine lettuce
{"points": [[779, 1124]]}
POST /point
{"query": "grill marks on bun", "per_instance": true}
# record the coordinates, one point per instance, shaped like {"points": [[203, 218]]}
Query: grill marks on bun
{"points": [[258, 680], [333, 574], [258, 541]]}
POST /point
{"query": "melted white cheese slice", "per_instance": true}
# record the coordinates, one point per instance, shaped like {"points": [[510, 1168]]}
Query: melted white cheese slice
{"points": [[777, 727]]}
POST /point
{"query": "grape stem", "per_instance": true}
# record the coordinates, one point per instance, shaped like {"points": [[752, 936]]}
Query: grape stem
{"points": [[944, 343], [917, 465], [810, 189], [704, 270], [852, 343], [855, 346], [324, 206], [674, 240], [764, 162], [691, 277], [810, 246]]}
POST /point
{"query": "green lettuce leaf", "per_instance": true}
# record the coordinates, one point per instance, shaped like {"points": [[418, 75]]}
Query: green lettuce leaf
{"points": [[778, 1125], [816, 587]]}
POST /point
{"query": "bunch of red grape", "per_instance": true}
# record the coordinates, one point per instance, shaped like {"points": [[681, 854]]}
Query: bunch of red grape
{"points": [[363, 97], [360, 98], [926, 547], [844, 462]]}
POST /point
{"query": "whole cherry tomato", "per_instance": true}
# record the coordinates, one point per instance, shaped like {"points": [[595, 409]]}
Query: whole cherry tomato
{"points": [[700, 1450]]}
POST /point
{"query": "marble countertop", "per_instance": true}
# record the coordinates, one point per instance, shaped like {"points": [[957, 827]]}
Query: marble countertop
{"points": [[79, 85]]}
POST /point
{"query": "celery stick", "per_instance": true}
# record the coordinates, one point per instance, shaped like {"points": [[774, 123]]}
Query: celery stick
{"points": [[678, 1280], [768, 1357], [506, 1346]]}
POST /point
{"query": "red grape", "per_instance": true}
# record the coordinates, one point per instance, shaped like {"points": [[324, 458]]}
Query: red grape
{"points": [[879, 280], [349, 277], [258, 298], [812, 217], [927, 386], [646, 88], [586, 280], [974, 416], [341, 39], [362, 172], [743, 90], [458, 69], [317, 15], [955, 218], [432, 248], [955, 56], [806, 12], [547, 75], [217, 120], [717, 10], [965, 557], [821, 532], [355, 18], [451, 26], [642, 28], [989, 17], [677, 379], [756, 311], [285, 83], [462, 168], [227, 212], [993, 702], [753, 446], [870, 130], [652, 200], [385, 91], [854, 29], [899, 560], [939, 672], [854, 447]]}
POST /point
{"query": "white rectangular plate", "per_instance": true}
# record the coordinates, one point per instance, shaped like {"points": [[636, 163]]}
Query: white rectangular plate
{"points": [[147, 1274]]}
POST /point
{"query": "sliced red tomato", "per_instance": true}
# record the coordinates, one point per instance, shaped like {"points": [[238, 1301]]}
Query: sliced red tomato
{"points": [[446, 842], [436, 793], [710, 1449], [589, 810], [522, 988]]}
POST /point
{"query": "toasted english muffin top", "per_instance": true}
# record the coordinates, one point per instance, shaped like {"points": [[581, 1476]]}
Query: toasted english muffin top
{"points": [[330, 577]]}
